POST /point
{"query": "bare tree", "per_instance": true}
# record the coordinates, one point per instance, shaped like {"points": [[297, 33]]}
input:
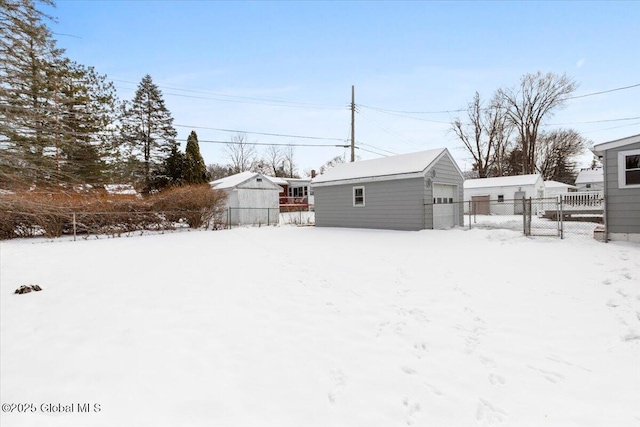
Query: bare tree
{"points": [[291, 170], [274, 160], [533, 100], [485, 136], [241, 153], [556, 154]]}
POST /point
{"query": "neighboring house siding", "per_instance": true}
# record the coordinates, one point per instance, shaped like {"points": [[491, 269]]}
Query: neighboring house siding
{"points": [[397, 204], [623, 205]]}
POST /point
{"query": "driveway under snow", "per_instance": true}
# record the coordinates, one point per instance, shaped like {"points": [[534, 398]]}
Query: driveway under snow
{"points": [[303, 326]]}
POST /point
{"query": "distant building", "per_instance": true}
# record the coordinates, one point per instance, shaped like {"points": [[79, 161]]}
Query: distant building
{"points": [[252, 198], [501, 195], [590, 179]]}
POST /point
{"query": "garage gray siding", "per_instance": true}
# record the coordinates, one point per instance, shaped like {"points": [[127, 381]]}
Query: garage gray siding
{"points": [[623, 205], [396, 204], [446, 173]]}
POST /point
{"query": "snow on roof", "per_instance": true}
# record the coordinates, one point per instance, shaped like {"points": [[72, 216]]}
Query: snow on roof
{"points": [[237, 179], [557, 184], [232, 180], [277, 180], [502, 181], [386, 166], [588, 176]]}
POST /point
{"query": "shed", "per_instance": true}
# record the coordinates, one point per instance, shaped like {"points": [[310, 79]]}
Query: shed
{"points": [[590, 179], [621, 163], [407, 192], [251, 198], [501, 195]]}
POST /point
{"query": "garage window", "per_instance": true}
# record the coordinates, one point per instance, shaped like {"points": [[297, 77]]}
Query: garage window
{"points": [[629, 169], [358, 196], [500, 198]]}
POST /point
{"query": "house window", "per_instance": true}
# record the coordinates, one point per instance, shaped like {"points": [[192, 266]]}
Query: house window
{"points": [[358, 196], [588, 185], [500, 198], [629, 169]]}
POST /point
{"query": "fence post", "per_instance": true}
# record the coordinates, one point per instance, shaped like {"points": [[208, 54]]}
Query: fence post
{"points": [[74, 226], [561, 220]]}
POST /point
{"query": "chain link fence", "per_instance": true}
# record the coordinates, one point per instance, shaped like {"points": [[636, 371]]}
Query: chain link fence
{"points": [[554, 216], [17, 224]]}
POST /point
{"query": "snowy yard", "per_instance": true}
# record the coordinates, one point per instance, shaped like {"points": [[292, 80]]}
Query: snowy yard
{"points": [[304, 326]]}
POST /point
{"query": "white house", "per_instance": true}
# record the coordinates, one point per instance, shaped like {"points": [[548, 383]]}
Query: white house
{"points": [[501, 195], [556, 188], [590, 180], [252, 198]]}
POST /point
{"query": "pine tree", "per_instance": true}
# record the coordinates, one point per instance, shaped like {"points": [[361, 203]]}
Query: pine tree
{"points": [[27, 92], [174, 167], [195, 171], [147, 130], [87, 112]]}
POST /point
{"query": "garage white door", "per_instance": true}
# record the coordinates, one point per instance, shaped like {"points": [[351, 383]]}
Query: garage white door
{"points": [[444, 208]]}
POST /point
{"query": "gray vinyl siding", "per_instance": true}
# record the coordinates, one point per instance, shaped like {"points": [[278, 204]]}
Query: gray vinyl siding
{"points": [[396, 205], [446, 173], [622, 204]]}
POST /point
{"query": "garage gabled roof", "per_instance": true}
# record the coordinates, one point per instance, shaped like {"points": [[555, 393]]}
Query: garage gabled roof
{"points": [[234, 181], [392, 166]]}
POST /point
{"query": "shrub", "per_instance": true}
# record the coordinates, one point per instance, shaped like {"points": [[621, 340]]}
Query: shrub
{"points": [[197, 205]]}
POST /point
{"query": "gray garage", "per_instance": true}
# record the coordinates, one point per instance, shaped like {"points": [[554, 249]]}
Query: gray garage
{"points": [[408, 192]]}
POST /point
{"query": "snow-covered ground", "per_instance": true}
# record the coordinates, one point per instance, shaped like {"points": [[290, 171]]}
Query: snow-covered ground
{"points": [[303, 326]]}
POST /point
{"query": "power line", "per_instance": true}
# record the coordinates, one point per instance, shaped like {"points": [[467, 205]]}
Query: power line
{"points": [[593, 121], [261, 133], [211, 141], [604, 91], [238, 98], [386, 110]]}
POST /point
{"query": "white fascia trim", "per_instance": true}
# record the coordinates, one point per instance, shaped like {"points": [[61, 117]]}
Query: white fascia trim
{"points": [[599, 149], [365, 180]]}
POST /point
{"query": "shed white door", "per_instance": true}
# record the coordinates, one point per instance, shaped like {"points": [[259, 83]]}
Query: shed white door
{"points": [[444, 208]]}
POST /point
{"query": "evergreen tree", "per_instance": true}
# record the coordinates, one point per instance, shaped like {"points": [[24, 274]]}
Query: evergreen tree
{"points": [[195, 171], [87, 111], [147, 130], [174, 167], [27, 92]]}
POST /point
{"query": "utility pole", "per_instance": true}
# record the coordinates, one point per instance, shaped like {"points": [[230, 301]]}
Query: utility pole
{"points": [[353, 124]]}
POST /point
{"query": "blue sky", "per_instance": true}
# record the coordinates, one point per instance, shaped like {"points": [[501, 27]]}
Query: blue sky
{"points": [[287, 67]]}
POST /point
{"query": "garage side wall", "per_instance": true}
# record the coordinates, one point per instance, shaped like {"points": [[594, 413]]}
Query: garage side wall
{"points": [[394, 205]]}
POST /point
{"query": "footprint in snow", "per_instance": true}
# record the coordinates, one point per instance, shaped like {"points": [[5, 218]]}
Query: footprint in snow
{"points": [[496, 379], [412, 408], [550, 376], [339, 381], [488, 414], [420, 349]]}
